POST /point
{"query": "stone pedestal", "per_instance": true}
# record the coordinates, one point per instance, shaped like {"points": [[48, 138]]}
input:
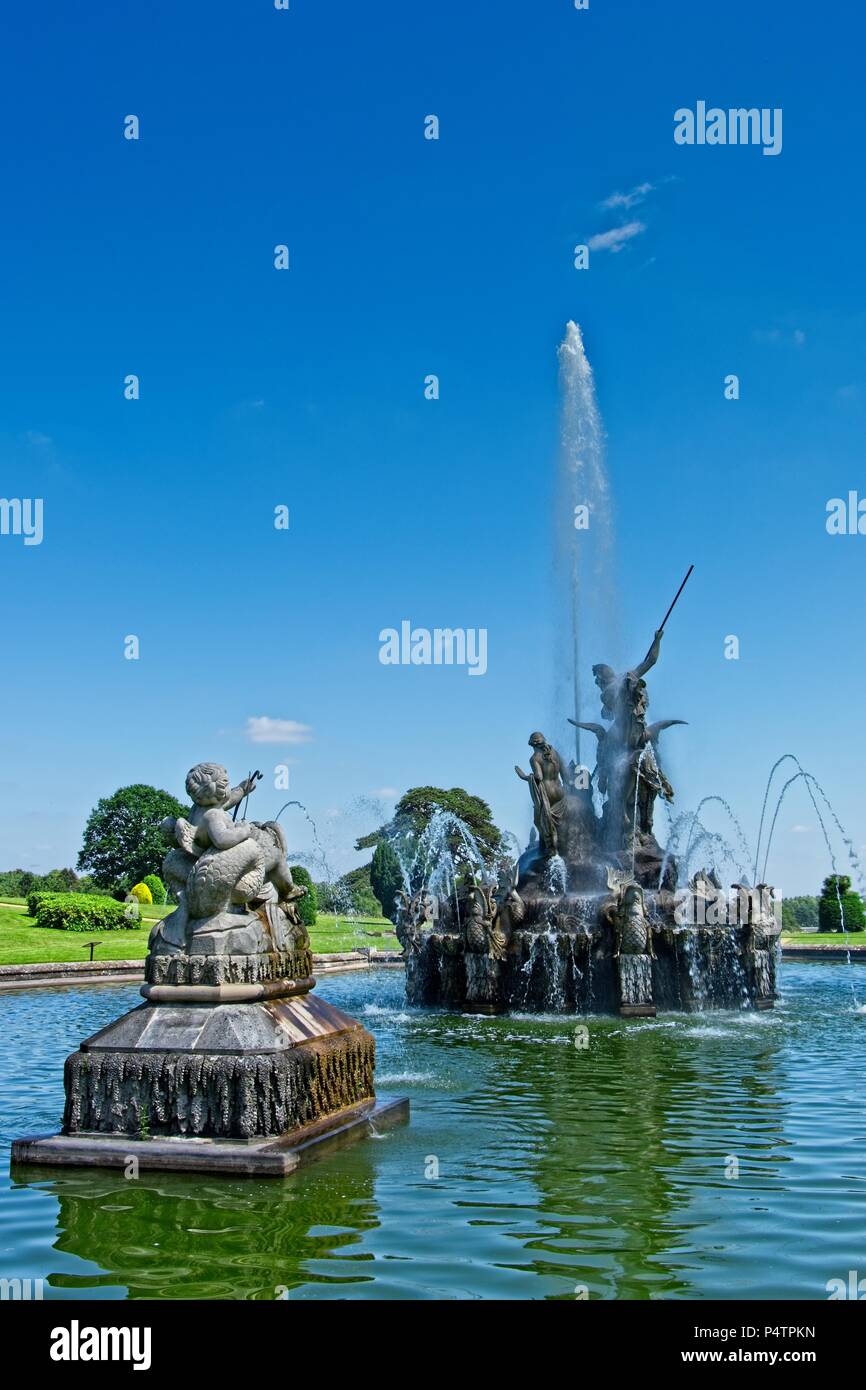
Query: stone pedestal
{"points": [[483, 984], [232, 1066], [761, 971], [635, 979], [218, 1070], [233, 1077]]}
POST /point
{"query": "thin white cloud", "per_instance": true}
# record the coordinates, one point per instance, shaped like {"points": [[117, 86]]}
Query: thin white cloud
{"points": [[800, 829], [615, 239], [262, 729], [628, 200], [386, 793], [779, 335]]}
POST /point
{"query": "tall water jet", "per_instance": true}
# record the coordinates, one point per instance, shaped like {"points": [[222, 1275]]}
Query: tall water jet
{"points": [[584, 608]]}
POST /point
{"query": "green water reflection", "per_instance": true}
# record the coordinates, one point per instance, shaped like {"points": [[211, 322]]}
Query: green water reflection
{"points": [[715, 1157]]}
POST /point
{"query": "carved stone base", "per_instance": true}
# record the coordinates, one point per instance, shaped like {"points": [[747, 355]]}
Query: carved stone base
{"points": [[263, 1158], [635, 979], [182, 969], [483, 984], [237, 1071], [238, 946]]}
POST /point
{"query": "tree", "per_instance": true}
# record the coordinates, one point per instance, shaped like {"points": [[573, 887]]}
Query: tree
{"points": [[17, 883], [386, 878], [122, 839], [799, 914], [307, 905], [60, 881], [349, 895], [836, 890], [416, 809]]}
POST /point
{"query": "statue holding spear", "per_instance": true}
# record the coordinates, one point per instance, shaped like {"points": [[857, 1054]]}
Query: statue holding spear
{"points": [[626, 755], [613, 686]]}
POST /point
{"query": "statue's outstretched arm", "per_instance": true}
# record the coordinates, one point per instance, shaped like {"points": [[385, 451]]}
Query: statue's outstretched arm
{"points": [[222, 832], [238, 793], [651, 657]]}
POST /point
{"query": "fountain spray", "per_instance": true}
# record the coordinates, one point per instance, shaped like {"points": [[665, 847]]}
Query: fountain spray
{"points": [[583, 521]]}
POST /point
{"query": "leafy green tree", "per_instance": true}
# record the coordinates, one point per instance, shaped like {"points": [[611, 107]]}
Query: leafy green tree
{"points": [[351, 893], [122, 839], [800, 914], [59, 881], [386, 878], [416, 809], [17, 883], [308, 905], [836, 889]]}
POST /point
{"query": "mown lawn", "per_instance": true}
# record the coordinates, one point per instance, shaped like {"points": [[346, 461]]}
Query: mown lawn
{"points": [[23, 943], [823, 938]]}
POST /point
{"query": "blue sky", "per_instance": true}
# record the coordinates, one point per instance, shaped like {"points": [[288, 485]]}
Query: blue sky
{"points": [[305, 387]]}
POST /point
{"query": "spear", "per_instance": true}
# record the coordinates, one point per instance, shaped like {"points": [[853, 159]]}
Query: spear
{"points": [[676, 596], [251, 777]]}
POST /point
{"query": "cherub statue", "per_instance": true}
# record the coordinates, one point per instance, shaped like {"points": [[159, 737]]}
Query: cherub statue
{"points": [[218, 863]]}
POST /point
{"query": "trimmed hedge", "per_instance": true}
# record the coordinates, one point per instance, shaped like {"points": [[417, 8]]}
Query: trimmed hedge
{"points": [[141, 893], [157, 888], [35, 901], [81, 912], [308, 905]]}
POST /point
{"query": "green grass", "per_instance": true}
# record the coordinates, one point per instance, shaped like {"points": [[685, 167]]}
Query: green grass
{"points": [[341, 934], [23, 943], [823, 938]]}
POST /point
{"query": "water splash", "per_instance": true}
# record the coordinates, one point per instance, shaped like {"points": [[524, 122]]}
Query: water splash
{"points": [[320, 867], [744, 845]]}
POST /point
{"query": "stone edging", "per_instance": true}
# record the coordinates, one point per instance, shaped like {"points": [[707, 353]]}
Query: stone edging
{"points": [[813, 952], [92, 972]]}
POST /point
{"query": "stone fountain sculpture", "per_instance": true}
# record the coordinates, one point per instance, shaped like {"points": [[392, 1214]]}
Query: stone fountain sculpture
{"points": [[231, 1063], [593, 920]]}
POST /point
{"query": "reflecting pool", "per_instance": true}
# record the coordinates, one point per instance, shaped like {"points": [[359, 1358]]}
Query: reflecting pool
{"points": [[716, 1156]]}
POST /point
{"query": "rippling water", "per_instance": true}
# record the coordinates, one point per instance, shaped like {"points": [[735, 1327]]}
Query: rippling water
{"points": [[559, 1166]]}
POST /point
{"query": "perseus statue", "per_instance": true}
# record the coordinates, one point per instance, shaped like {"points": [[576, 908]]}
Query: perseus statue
{"points": [[616, 690]]}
